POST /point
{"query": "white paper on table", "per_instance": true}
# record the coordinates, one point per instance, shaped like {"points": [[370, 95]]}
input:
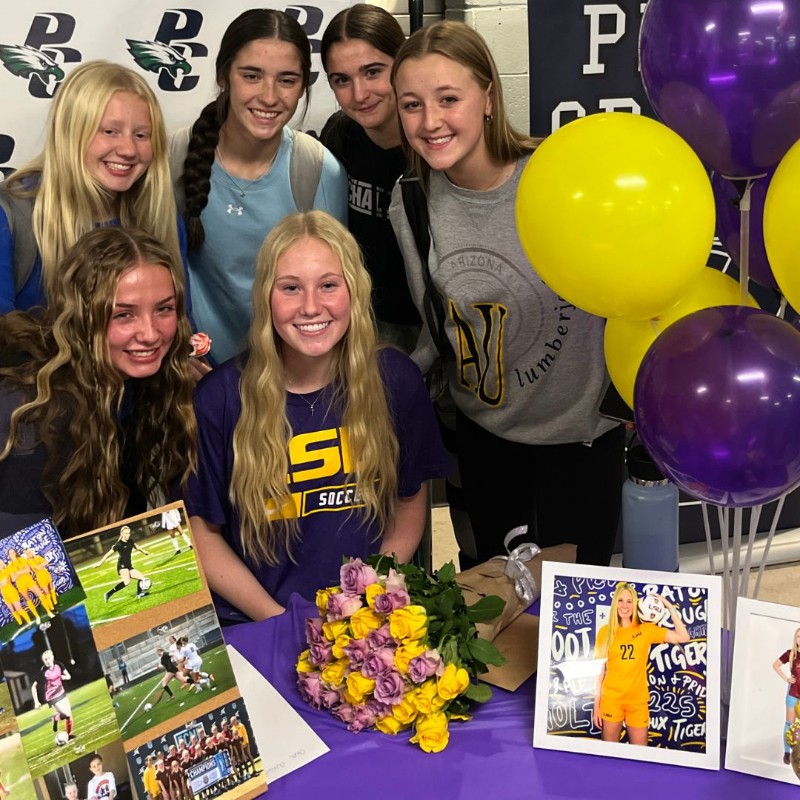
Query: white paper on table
{"points": [[286, 742]]}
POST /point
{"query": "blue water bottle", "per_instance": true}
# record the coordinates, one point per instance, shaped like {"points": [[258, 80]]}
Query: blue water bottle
{"points": [[649, 516]]}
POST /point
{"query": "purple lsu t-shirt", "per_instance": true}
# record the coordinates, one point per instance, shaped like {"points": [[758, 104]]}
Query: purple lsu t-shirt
{"points": [[318, 474]]}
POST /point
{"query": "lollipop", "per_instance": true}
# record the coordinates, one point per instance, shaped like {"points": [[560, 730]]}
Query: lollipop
{"points": [[201, 344]]}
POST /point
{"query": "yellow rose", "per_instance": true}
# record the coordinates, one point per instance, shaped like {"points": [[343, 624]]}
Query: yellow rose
{"points": [[405, 653], [333, 674], [408, 623], [338, 646], [303, 664], [322, 598], [364, 621], [357, 687], [427, 699], [405, 712], [453, 682], [390, 725], [373, 590], [333, 630], [430, 732]]}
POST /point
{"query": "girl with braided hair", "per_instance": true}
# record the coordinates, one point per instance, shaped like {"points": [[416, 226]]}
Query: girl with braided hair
{"points": [[96, 413], [241, 169]]}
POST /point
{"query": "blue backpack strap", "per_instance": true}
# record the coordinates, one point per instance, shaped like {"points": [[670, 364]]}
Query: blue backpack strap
{"points": [[19, 213]]}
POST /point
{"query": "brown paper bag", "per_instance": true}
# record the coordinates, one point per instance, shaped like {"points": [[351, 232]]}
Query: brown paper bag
{"points": [[517, 637]]}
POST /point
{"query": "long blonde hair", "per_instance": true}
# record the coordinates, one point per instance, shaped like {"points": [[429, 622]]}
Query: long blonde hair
{"points": [[794, 647], [464, 45], [73, 393], [262, 434], [68, 202], [613, 622]]}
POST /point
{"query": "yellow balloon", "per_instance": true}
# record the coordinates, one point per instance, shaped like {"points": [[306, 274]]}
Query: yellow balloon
{"points": [[627, 341], [782, 225], [616, 214]]}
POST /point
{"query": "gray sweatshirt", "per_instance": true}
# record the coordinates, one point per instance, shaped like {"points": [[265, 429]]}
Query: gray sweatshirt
{"points": [[529, 366]]}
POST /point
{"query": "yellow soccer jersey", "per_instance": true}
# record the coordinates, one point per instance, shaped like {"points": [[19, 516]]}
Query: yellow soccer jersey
{"points": [[625, 681]]}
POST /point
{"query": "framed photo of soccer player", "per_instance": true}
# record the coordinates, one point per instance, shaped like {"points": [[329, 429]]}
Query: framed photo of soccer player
{"points": [[629, 664], [764, 718]]}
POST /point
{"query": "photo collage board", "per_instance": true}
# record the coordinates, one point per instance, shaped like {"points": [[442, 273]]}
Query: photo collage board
{"points": [[116, 681]]}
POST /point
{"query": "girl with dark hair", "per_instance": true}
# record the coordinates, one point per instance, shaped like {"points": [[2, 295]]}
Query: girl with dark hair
{"points": [[358, 50], [525, 368], [244, 169], [96, 411]]}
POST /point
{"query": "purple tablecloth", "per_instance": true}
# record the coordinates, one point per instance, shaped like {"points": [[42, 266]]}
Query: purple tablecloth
{"points": [[488, 758]]}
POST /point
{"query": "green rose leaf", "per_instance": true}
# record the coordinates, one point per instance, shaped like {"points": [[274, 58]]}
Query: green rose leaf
{"points": [[484, 651], [478, 692], [447, 574], [486, 608]]}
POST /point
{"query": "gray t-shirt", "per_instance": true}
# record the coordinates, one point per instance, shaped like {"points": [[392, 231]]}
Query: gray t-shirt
{"points": [[529, 366]]}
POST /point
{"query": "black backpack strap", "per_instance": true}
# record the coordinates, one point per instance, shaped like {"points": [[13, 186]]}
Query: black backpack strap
{"points": [[19, 213], [415, 203]]}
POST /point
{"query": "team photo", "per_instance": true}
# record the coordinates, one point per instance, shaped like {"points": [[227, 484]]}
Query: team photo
{"points": [[36, 579], [212, 755]]}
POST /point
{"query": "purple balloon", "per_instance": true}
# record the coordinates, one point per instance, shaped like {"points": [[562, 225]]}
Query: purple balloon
{"points": [[726, 199], [717, 403], [725, 75]]}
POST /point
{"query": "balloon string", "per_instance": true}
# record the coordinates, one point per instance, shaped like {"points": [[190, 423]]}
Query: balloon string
{"points": [[744, 240], [733, 593], [772, 528], [707, 526], [781, 312], [755, 515], [722, 517]]}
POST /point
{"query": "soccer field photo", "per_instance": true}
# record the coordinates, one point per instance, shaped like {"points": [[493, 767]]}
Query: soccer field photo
{"points": [[14, 775], [135, 566], [60, 695], [165, 672]]}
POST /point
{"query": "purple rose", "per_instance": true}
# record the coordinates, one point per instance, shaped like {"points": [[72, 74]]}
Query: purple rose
{"points": [[423, 667], [319, 653], [330, 697], [389, 688], [310, 686], [389, 601], [363, 717], [355, 576], [395, 582], [379, 709], [380, 637], [341, 606], [377, 663], [356, 650], [345, 712], [314, 631]]}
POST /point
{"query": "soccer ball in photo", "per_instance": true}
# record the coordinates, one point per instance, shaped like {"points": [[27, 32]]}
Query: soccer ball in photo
{"points": [[61, 738], [651, 609], [148, 706], [145, 584]]}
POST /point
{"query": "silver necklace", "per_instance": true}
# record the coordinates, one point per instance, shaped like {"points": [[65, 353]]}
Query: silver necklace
{"points": [[314, 401], [239, 188]]}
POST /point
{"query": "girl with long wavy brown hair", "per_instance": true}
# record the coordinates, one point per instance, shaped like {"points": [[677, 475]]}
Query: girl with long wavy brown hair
{"points": [[317, 443], [96, 416]]}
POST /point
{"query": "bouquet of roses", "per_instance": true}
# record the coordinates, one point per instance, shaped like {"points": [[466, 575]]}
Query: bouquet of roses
{"points": [[395, 649]]}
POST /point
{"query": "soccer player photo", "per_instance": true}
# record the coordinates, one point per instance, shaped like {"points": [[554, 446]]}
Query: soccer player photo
{"points": [[133, 566], [37, 579], [629, 664], [175, 669], [63, 706]]}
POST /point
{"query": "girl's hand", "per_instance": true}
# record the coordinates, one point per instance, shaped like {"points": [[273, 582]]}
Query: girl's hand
{"points": [[596, 718]]}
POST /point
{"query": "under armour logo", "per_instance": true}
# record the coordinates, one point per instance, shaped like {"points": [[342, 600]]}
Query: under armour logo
{"points": [[238, 209]]}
